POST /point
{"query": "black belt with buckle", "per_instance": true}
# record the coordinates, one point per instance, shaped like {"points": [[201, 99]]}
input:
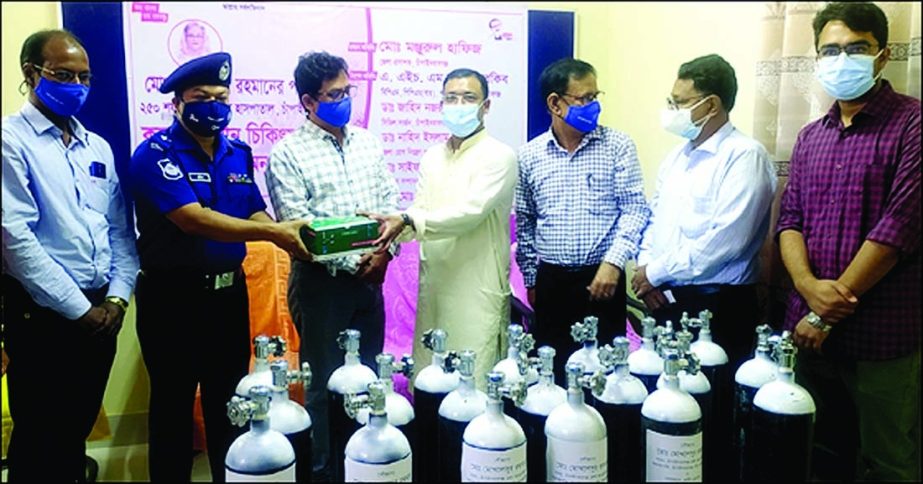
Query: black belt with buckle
{"points": [[199, 280]]}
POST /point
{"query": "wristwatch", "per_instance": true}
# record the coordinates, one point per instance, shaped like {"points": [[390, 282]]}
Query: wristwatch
{"points": [[814, 320], [118, 302], [408, 221]]}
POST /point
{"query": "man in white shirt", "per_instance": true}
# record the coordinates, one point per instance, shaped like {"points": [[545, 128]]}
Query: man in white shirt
{"points": [[461, 216], [710, 214]]}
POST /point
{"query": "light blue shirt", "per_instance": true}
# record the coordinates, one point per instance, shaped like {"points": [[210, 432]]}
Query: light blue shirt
{"points": [[64, 222], [710, 213], [580, 208]]}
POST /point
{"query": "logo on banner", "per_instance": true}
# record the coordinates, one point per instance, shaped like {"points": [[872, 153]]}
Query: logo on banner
{"points": [[496, 29]]}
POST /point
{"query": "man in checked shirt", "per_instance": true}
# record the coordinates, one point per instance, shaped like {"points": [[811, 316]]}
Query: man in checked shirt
{"points": [[580, 210], [328, 169], [849, 232]]}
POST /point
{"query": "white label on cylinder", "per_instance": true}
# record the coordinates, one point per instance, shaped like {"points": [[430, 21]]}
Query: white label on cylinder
{"points": [[398, 471], [576, 461], [482, 465], [673, 457], [285, 475]]}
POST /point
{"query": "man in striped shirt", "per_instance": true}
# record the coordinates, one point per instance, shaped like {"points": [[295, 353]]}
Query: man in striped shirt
{"points": [[580, 209]]}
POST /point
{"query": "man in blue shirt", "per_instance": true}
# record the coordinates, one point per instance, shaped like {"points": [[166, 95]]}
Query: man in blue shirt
{"points": [[69, 262], [580, 209], [196, 204]]}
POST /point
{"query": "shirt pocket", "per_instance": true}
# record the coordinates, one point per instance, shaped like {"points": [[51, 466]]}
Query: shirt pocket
{"points": [[96, 196], [698, 216], [601, 194]]}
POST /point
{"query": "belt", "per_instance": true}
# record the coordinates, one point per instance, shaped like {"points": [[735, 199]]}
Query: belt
{"points": [[209, 281], [705, 289], [566, 269]]}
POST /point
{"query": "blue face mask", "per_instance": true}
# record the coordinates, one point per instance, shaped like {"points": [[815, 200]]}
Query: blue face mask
{"points": [[62, 98], [335, 113], [461, 120], [583, 118], [206, 118], [847, 77]]}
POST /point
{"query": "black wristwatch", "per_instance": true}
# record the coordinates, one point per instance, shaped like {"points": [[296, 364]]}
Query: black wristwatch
{"points": [[408, 221]]}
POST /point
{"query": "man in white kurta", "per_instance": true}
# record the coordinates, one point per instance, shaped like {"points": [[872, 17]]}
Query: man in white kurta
{"points": [[461, 216]]}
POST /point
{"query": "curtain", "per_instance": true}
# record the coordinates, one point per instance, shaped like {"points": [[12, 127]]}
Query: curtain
{"points": [[788, 97]]}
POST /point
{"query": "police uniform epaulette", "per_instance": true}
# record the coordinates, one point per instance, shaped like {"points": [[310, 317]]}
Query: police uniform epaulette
{"points": [[160, 141]]}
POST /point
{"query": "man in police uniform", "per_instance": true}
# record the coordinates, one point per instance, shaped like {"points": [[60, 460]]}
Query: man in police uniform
{"points": [[196, 204]]}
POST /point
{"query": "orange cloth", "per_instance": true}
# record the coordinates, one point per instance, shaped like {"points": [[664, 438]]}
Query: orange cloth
{"points": [[267, 268]]}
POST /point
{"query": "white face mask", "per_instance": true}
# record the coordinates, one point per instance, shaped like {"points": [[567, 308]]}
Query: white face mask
{"points": [[847, 77], [679, 121], [461, 119]]}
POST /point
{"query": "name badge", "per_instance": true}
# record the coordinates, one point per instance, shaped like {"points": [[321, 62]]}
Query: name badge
{"points": [[97, 170], [200, 177], [239, 178]]}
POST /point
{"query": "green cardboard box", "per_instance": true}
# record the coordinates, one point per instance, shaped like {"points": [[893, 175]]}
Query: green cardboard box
{"points": [[332, 237]]}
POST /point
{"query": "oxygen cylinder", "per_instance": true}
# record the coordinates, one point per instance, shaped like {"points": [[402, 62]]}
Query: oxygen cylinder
{"points": [[577, 448], [457, 409], [750, 377], [620, 406], [432, 384], [540, 400], [262, 454], [645, 363], [694, 382], [291, 418], [263, 347], [515, 366], [399, 410], [782, 425], [671, 424], [717, 419], [494, 445], [588, 356], [352, 377], [378, 452]]}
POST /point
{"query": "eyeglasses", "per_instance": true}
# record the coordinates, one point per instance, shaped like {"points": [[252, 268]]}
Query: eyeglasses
{"points": [[583, 100], [856, 48], [463, 99], [678, 105], [339, 94], [64, 75]]}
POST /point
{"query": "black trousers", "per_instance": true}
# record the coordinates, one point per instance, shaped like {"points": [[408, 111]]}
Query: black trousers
{"points": [[56, 379], [321, 306], [561, 299], [733, 323], [191, 336]]}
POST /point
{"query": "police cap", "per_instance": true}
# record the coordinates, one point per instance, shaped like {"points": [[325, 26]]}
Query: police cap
{"points": [[210, 70]]}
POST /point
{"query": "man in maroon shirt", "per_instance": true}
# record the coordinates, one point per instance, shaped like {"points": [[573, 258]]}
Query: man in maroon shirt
{"points": [[849, 232]]}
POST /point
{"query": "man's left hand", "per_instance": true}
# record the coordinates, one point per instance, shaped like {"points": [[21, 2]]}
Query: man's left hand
{"points": [[114, 316], [372, 267], [389, 227], [604, 284], [808, 337], [639, 283]]}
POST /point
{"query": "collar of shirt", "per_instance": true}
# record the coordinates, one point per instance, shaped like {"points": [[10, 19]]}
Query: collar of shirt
{"points": [[316, 131], [713, 143], [41, 124], [184, 141], [552, 142], [465, 144], [878, 105]]}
